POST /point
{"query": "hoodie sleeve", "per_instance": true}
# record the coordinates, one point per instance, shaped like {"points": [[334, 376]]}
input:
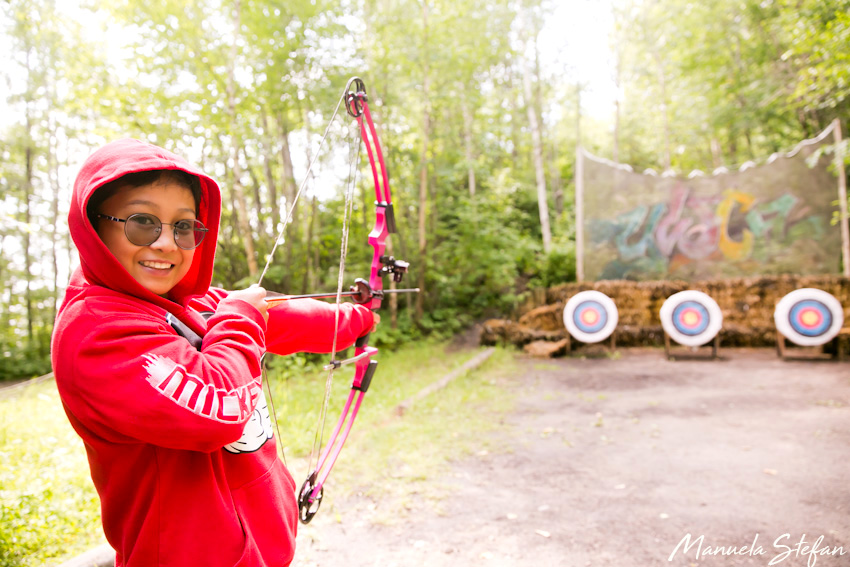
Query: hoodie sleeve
{"points": [[128, 377], [307, 325]]}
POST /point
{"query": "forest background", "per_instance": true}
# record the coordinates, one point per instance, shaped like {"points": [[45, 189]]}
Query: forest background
{"points": [[479, 122]]}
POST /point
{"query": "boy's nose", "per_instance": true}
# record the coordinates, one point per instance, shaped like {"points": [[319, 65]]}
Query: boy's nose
{"points": [[165, 241]]}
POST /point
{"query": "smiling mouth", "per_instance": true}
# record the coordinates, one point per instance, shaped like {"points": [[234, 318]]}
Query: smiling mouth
{"points": [[157, 265]]}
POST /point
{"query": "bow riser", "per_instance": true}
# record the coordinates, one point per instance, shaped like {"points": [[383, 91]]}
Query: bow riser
{"points": [[378, 241]]}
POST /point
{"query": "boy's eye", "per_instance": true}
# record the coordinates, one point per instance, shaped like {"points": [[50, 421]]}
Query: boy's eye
{"points": [[145, 220], [185, 225]]}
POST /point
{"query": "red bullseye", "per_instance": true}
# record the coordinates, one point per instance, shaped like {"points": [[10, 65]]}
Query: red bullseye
{"points": [[809, 318], [690, 318], [589, 317]]}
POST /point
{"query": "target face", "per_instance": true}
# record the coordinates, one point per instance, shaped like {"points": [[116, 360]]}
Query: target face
{"points": [[809, 317], [590, 316], [691, 318]]}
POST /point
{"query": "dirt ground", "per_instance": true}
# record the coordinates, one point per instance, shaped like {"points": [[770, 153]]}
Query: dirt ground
{"points": [[626, 461]]}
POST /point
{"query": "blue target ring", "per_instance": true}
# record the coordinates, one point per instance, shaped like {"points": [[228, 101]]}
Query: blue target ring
{"points": [[691, 318], [810, 318], [590, 316]]}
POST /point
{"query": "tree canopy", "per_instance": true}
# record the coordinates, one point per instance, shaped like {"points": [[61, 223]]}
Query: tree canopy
{"points": [[479, 135]]}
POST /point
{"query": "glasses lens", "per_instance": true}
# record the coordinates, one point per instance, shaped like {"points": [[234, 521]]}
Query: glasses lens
{"points": [[189, 234], [142, 229]]}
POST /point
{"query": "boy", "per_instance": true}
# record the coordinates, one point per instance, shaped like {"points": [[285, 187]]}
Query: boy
{"points": [[160, 374]]}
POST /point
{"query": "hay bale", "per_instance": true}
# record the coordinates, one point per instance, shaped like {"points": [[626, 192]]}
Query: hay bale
{"points": [[747, 305], [494, 331], [546, 318], [546, 349]]}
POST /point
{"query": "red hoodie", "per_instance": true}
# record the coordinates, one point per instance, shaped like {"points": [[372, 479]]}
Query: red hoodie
{"points": [[178, 436]]}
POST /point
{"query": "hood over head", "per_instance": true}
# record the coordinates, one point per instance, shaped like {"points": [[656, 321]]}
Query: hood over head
{"points": [[98, 265]]}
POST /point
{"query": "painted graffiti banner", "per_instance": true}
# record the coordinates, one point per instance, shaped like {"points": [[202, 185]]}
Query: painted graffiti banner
{"points": [[770, 218]]}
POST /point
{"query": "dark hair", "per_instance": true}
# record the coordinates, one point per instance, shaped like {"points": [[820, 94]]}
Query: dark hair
{"points": [[137, 179]]}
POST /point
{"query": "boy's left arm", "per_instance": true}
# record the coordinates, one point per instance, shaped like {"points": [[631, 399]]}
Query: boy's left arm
{"points": [[307, 325]]}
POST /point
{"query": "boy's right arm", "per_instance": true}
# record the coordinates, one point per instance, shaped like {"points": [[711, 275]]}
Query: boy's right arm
{"points": [[127, 377]]}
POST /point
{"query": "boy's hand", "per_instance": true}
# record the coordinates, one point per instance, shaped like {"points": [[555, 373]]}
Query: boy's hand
{"points": [[376, 320], [256, 296]]}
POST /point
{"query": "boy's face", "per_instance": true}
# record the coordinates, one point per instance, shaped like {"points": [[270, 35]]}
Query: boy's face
{"points": [[161, 265]]}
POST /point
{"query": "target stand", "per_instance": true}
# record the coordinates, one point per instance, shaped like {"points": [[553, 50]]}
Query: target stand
{"points": [[810, 318], [692, 319], [591, 317]]}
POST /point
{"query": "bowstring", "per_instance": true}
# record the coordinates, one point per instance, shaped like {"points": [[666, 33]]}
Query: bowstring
{"points": [[318, 440], [344, 247], [271, 405]]}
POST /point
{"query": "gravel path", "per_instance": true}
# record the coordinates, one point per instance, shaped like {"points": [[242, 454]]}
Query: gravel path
{"points": [[624, 461]]}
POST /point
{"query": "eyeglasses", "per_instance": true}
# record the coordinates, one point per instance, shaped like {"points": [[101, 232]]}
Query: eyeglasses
{"points": [[143, 229]]}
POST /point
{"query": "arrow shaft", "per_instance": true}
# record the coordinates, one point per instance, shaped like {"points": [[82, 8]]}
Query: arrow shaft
{"points": [[271, 300]]}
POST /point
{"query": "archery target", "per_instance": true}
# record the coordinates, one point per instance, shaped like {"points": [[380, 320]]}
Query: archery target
{"points": [[691, 318], [809, 317], [590, 316]]}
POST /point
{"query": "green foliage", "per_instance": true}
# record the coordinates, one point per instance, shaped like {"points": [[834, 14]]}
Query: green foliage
{"points": [[720, 83], [483, 249], [25, 362], [48, 506], [246, 89], [559, 267], [819, 35]]}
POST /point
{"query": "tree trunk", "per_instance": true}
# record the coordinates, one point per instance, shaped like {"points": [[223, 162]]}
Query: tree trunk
{"points": [[555, 175], [235, 143], [307, 284], [423, 164], [618, 72], [468, 147], [662, 83], [53, 176], [716, 153], [28, 189], [554, 170], [515, 113], [289, 191], [267, 170], [537, 146], [258, 198], [578, 114]]}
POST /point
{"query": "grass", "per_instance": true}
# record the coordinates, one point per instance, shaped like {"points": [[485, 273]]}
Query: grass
{"points": [[48, 506], [393, 458], [49, 510]]}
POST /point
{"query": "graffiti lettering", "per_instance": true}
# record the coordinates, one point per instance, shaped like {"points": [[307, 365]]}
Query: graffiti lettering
{"points": [[732, 201], [688, 228]]}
